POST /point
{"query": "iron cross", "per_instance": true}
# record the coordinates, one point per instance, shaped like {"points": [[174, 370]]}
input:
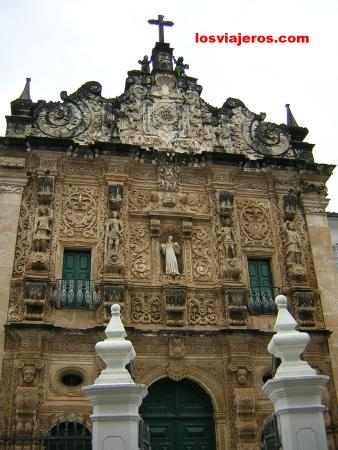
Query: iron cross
{"points": [[161, 24]]}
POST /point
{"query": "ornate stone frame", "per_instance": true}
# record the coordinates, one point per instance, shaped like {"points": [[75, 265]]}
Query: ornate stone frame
{"points": [[63, 245]]}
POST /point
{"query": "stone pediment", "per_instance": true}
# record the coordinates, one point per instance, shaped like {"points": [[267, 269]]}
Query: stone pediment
{"points": [[162, 110]]}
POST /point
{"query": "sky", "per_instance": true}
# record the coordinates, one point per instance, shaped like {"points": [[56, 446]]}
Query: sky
{"points": [[62, 44]]}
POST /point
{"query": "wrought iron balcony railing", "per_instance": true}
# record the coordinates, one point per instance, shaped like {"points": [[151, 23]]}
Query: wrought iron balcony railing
{"points": [[262, 300], [76, 294]]}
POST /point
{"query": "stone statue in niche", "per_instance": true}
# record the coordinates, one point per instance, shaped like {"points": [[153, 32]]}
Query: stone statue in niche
{"points": [[293, 250], [170, 250], [113, 237], [293, 245], [290, 204], [115, 196], [226, 238], [42, 229]]}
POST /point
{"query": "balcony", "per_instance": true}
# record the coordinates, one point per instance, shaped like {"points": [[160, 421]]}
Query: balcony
{"points": [[76, 294], [262, 300]]}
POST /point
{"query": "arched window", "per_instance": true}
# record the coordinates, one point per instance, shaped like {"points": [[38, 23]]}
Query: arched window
{"points": [[179, 415]]}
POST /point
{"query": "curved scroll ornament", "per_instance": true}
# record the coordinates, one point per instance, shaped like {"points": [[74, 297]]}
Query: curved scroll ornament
{"points": [[267, 138], [84, 115], [139, 251]]}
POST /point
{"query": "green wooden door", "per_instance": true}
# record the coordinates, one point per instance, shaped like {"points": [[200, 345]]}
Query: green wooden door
{"points": [[179, 415], [261, 286], [76, 286]]}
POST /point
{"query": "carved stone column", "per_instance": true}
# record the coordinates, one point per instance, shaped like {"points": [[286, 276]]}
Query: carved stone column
{"points": [[324, 264], [155, 231], [10, 199]]}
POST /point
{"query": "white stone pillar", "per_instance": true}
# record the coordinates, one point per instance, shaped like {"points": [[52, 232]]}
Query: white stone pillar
{"points": [[296, 388], [114, 395]]}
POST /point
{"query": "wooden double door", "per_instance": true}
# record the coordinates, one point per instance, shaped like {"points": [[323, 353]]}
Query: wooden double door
{"points": [[180, 416]]}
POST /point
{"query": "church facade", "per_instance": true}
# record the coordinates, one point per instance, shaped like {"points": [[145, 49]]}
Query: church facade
{"points": [[192, 218]]}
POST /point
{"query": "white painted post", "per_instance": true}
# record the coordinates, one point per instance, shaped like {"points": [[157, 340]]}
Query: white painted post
{"points": [[296, 388], [114, 395]]}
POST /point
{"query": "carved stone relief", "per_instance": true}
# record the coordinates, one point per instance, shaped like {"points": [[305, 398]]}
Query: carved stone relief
{"points": [[175, 305], [202, 266], [25, 227], [229, 262], [27, 399], [146, 308], [114, 294], [42, 231], [79, 211], [202, 309], [84, 116], [255, 224], [188, 202], [139, 250]]}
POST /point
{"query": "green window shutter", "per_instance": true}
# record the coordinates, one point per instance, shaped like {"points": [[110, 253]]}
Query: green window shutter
{"points": [[76, 265], [76, 288], [261, 286]]}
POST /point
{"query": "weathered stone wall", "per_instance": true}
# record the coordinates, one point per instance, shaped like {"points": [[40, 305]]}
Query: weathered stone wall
{"points": [[195, 323]]}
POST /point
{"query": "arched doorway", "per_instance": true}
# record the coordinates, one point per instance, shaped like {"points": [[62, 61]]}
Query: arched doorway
{"points": [[180, 416], [68, 436]]}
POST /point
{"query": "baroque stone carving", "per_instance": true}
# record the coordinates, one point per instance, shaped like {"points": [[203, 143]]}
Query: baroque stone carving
{"points": [[79, 211], [236, 301], [114, 294], [27, 400], [84, 116], [255, 224], [113, 240], [35, 294], [39, 258], [175, 305], [190, 202], [202, 310], [225, 205], [42, 235], [139, 251], [290, 203], [305, 305], [146, 308], [25, 227], [293, 253], [201, 254], [115, 194]]}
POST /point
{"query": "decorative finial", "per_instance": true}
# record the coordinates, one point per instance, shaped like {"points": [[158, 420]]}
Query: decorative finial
{"points": [[290, 120], [25, 94], [288, 344], [116, 351], [161, 24]]}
